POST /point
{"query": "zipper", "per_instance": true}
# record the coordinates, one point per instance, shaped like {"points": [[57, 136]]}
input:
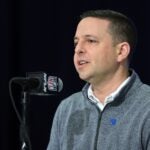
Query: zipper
{"points": [[99, 120], [99, 123], [98, 127]]}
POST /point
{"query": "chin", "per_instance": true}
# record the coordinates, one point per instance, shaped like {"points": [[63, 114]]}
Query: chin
{"points": [[84, 77]]}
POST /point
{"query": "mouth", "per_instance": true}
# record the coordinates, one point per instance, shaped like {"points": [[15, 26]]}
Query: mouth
{"points": [[82, 63]]}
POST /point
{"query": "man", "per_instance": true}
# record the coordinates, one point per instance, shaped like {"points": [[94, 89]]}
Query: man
{"points": [[112, 112]]}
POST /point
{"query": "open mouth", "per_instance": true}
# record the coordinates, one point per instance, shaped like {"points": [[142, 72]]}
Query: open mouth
{"points": [[82, 62]]}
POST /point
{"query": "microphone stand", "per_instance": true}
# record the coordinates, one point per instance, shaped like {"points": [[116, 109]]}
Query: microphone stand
{"points": [[25, 141], [37, 84]]}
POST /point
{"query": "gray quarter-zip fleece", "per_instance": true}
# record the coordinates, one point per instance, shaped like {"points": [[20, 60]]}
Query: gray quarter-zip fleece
{"points": [[124, 124]]}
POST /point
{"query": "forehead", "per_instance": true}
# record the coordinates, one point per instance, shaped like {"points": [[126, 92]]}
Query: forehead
{"points": [[92, 25]]}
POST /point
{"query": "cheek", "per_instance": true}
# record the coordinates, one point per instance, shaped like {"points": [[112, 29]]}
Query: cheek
{"points": [[104, 58], [100, 57], [74, 60]]}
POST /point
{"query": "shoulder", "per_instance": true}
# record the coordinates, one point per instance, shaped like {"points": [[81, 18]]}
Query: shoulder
{"points": [[146, 88], [144, 92], [137, 88], [74, 100], [141, 99], [69, 106]]}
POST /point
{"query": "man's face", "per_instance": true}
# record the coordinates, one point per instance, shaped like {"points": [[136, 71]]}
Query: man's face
{"points": [[95, 55]]}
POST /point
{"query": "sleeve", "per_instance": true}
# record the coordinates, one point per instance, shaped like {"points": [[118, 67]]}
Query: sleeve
{"points": [[146, 134], [54, 142]]}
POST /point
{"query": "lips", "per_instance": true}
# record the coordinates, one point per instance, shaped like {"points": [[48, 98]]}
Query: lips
{"points": [[81, 62]]}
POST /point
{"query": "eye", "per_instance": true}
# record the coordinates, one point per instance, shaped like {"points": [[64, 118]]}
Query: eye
{"points": [[75, 43], [91, 41]]}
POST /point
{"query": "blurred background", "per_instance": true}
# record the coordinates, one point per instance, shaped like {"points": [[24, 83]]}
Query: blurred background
{"points": [[38, 36]]}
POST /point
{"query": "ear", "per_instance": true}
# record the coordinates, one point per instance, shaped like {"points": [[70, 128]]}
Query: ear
{"points": [[123, 50]]}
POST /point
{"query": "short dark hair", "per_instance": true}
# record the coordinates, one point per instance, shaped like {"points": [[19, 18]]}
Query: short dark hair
{"points": [[121, 27]]}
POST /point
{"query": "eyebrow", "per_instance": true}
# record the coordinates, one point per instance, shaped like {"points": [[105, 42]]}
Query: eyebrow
{"points": [[87, 36]]}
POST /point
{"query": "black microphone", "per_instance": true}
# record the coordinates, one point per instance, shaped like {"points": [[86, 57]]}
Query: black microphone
{"points": [[39, 83]]}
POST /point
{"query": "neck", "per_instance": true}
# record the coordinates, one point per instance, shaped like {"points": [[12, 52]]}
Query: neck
{"points": [[105, 87]]}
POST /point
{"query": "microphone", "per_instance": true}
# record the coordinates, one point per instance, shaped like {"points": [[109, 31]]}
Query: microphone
{"points": [[39, 83]]}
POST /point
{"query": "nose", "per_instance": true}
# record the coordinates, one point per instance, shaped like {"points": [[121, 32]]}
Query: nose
{"points": [[79, 48]]}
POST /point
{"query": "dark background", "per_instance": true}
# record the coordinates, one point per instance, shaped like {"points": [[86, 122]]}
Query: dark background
{"points": [[38, 36]]}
